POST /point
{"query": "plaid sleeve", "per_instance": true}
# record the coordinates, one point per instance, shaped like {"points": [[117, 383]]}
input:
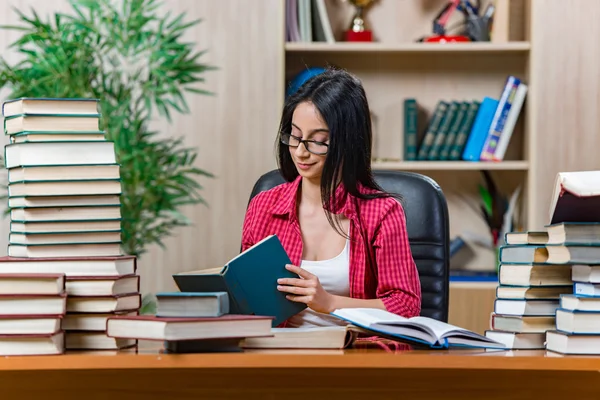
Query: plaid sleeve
{"points": [[398, 279], [248, 226]]}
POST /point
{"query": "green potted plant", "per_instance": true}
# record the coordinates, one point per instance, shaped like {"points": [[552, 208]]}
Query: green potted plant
{"points": [[130, 56]]}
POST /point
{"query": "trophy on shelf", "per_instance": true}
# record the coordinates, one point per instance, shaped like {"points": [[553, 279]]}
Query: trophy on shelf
{"points": [[358, 32]]}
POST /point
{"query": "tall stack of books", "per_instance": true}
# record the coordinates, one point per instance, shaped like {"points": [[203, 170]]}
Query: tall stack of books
{"points": [[575, 208], [63, 195], [528, 292], [549, 280]]}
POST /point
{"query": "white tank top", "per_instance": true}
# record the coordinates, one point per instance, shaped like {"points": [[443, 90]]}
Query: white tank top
{"points": [[334, 277]]}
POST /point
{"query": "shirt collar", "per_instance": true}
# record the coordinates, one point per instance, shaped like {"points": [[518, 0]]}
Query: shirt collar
{"points": [[287, 203]]}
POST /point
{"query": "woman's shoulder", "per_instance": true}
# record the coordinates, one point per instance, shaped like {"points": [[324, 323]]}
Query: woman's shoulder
{"points": [[379, 207], [273, 196]]}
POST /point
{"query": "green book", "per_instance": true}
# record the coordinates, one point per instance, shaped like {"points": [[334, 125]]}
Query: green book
{"points": [[434, 124], [410, 129], [463, 133], [453, 132], [250, 279], [440, 136]]}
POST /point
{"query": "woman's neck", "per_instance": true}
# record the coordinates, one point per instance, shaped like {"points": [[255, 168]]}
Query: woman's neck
{"points": [[311, 194]]}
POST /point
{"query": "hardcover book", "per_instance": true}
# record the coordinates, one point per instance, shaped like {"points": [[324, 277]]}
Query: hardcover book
{"points": [[250, 279]]}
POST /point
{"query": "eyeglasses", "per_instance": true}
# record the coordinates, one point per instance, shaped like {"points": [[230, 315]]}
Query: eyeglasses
{"points": [[318, 148]]}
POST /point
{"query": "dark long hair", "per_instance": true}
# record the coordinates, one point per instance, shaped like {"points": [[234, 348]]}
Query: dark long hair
{"points": [[341, 100]]}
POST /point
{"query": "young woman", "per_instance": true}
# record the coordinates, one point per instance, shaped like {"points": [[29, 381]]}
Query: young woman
{"points": [[346, 237]]}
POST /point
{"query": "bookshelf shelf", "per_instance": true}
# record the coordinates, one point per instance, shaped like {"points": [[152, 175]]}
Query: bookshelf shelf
{"points": [[348, 47], [451, 165]]}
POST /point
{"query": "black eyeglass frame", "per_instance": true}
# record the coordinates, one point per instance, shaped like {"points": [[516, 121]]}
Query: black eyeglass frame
{"points": [[306, 143]]}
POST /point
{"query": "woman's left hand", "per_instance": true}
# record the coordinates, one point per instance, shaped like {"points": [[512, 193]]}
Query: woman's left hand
{"points": [[307, 289]]}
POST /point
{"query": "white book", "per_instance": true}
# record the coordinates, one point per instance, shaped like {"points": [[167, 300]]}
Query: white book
{"points": [[104, 304], [65, 250], [70, 266], [19, 345], [44, 123], [51, 106], [59, 153], [64, 188]]}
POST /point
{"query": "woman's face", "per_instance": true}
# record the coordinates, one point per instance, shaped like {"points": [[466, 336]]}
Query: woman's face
{"points": [[307, 124]]}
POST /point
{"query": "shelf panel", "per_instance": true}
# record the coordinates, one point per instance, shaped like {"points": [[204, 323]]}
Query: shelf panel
{"points": [[450, 165], [345, 47]]}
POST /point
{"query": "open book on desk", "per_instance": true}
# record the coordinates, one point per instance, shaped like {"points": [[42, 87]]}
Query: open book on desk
{"points": [[421, 330], [250, 279]]}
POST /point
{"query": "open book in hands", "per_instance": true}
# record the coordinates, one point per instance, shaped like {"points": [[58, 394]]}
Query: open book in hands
{"points": [[422, 330]]}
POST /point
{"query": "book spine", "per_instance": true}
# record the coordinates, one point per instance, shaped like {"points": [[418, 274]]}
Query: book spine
{"points": [[480, 129], [410, 129], [463, 134], [451, 137], [499, 120], [432, 129], [440, 137], [511, 120]]}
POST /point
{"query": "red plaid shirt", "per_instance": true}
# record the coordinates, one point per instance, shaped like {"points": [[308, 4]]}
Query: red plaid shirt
{"points": [[395, 280]]}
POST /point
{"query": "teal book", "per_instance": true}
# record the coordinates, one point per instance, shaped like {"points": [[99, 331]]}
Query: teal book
{"points": [[432, 129], [410, 129], [444, 129], [192, 304], [250, 279]]}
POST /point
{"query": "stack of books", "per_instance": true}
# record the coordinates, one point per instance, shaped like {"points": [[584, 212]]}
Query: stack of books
{"points": [[528, 292], [31, 309], [578, 316], [63, 194], [553, 275], [191, 322]]}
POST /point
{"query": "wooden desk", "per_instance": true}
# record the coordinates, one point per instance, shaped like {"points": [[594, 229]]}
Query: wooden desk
{"points": [[353, 374]]}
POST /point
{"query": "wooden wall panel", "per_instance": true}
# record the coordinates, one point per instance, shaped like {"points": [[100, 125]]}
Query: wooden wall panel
{"points": [[565, 73], [234, 130]]}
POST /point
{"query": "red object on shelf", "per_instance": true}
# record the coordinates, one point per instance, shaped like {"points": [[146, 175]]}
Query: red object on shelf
{"points": [[364, 36], [446, 39]]}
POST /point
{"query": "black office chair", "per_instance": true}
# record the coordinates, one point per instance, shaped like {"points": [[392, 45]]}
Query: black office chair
{"points": [[428, 231]]}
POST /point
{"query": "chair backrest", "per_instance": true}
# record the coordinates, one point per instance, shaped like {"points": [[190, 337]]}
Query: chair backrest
{"points": [[428, 231]]}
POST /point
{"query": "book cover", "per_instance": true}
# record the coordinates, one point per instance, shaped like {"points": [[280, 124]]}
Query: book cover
{"points": [[479, 131], [498, 122], [464, 131], [250, 279]]}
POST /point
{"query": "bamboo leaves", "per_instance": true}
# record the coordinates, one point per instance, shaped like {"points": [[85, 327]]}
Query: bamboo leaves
{"points": [[130, 55]]}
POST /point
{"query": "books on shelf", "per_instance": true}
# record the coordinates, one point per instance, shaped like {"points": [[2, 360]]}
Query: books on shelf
{"points": [[307, 21], [65, 230], [466, 130]]}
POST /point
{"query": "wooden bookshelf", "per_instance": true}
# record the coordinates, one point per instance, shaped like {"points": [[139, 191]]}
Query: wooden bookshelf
{"points": [[349, 47], [396, 66], [451, 166]]}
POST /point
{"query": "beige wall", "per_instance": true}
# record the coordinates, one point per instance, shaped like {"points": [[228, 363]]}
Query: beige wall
{"points": [[566, 68], [234, 130]]}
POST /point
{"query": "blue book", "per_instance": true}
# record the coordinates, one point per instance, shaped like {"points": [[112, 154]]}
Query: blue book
{"points": [[480, 129], [250, 279], [192, 304]]}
